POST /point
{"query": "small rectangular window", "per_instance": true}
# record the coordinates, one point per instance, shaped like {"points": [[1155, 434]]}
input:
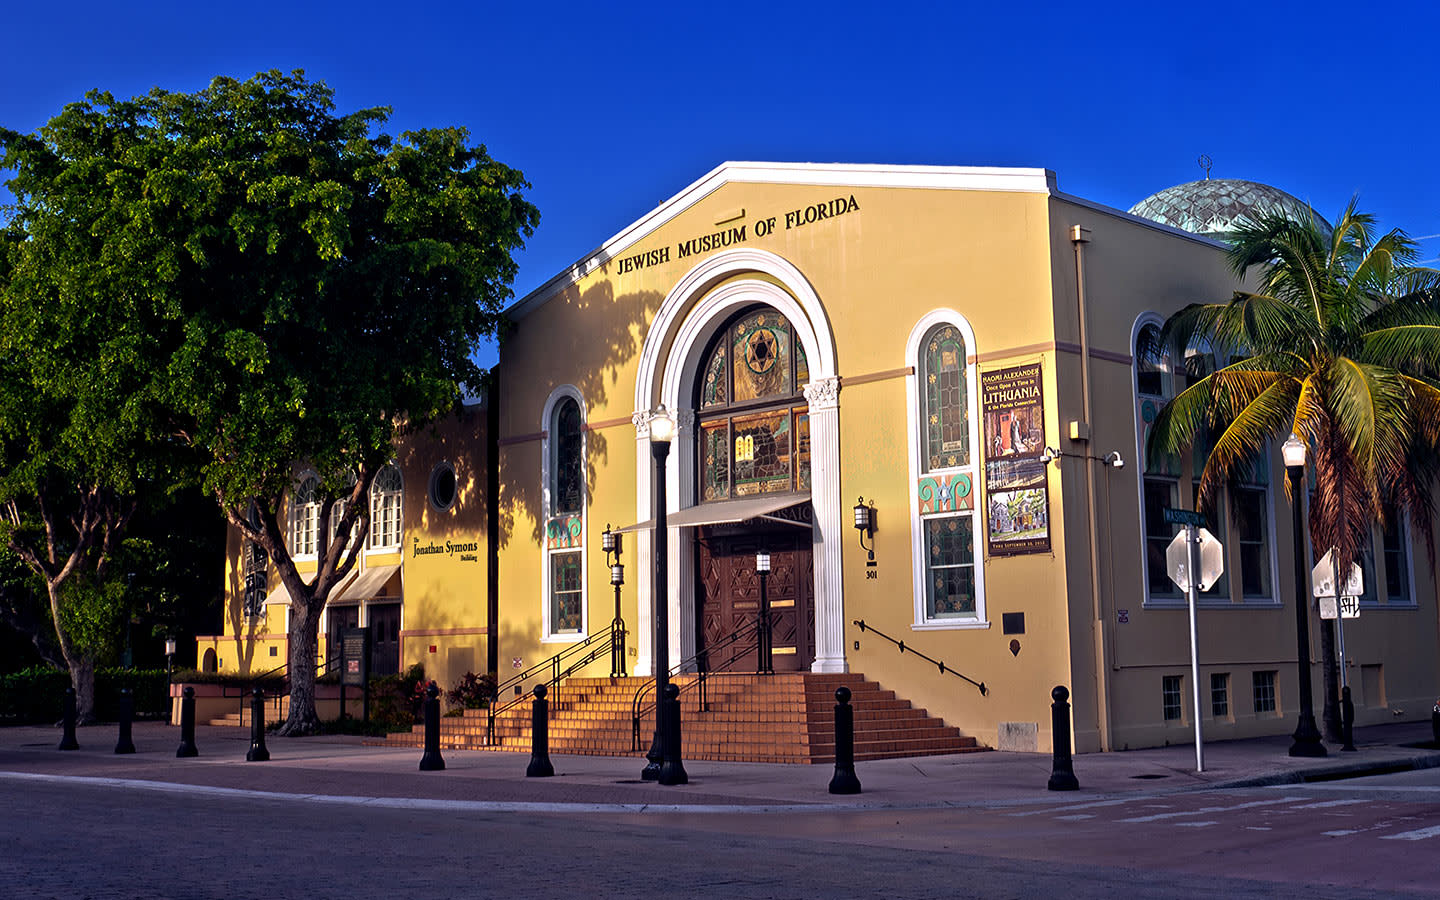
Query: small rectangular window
{"points": [[1264, 691], [1220, 695], [1170, 697]]}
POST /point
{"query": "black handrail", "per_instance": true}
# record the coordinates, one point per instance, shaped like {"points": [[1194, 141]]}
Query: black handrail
{"points": [[749, 629], [594, 647], [984, 691]]}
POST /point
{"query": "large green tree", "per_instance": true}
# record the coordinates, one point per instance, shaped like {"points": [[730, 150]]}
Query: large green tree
{"points": [[297, 288], [1339, 344]]}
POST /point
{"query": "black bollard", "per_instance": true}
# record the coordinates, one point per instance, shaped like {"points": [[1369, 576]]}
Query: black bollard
{"points": [[1062, 774], [1347, 719], [127, 715], [187, 725], [257, 753], [672, 768], [540, 737], [656, 754], [1435, 723], [67, 740], [844, 780], [432, 761]]}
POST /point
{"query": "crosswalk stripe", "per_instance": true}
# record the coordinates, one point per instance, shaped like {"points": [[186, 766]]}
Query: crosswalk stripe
{"points": [[1419, 834], [1208, 809], [1326, 804]]}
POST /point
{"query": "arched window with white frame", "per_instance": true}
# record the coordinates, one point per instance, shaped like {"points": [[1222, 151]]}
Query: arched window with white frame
{"points": [[564, 474], [386, 509], [944, 448], [305, 516]]}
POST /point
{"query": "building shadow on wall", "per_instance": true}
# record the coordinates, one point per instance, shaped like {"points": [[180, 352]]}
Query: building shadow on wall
{"points": [[609, 334]]}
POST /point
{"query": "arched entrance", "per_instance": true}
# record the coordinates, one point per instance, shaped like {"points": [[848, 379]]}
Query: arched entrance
{"points": [[753, 442], [692, 322]]}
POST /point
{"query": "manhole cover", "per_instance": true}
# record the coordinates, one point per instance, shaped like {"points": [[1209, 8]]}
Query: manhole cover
{"points": [[633, 781], [1150, 777], [36, 745]]}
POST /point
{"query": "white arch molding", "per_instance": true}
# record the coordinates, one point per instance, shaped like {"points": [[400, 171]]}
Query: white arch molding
{"points": [[670, 359]]}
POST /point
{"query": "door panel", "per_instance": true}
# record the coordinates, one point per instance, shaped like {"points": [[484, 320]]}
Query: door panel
{"points": [[384, 638], [731, 595]]}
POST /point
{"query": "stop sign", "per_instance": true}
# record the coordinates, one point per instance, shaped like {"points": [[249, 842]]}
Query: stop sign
{"points": [[1212, 559]]}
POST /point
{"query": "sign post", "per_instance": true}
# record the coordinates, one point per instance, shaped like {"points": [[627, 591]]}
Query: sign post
{"points": [[1194, 560], [355, 666], [1338, 601]]}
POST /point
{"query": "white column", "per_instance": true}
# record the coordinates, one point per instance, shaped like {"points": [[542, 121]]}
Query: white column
{"points": [[679, 490], [643, 630], [823, 395]]}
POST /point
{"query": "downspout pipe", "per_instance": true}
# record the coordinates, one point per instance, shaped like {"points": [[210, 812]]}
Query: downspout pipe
{"points": [[1079, 237], [492, 524]]}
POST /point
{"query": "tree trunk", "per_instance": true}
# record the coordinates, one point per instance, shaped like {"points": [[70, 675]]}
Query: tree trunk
{"points": [[1330, 682], [80, 662], [82, 676], [304, 641]]}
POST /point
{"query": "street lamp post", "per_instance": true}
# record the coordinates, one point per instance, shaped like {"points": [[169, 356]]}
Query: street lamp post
{"points": [[662, 432], [169, 659], [1307, 735], [766, 662], [610, 541]]}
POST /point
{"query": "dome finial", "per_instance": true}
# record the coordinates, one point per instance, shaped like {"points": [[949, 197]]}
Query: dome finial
{"points": [[1205, 163]]}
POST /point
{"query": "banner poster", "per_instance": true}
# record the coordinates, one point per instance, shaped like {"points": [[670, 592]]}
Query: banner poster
{"points": [[1017, 501]]}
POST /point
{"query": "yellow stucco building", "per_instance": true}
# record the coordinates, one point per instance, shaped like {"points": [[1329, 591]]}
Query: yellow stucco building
{"points": [[950, 349]]}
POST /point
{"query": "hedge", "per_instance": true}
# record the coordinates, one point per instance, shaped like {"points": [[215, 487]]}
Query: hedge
{"points": [[37, 695]]}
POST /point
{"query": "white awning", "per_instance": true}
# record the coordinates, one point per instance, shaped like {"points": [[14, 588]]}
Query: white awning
{"points": [[282, 596], [368, 583], [727, 511]]}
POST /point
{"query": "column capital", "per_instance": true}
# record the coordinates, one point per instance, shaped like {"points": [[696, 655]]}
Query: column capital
{"points": [[823, 393]]}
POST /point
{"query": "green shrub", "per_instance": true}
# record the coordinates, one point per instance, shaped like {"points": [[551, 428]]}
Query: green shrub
{"points": [[472, 691], [395, 700]]}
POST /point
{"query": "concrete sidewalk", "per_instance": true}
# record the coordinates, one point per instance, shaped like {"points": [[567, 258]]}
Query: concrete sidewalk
{"points": [[339, 769]]}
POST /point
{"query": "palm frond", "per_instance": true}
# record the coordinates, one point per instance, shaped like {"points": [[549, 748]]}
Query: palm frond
{"points": [[1243, 438], [1414, 349]]}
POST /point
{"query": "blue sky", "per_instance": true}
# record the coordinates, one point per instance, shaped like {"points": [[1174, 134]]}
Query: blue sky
{"points": [[610, 109]]}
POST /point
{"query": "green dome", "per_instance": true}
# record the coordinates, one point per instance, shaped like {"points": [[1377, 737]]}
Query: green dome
{"points": [[1215, 206]]}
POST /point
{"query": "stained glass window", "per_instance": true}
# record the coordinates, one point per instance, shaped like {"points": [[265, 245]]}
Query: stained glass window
{"points": [[716, 389], [802, 449], [569, 462], [950, 551], [762, 452], [756, 362], [565, 523], [565, 592], [945, 414], [760, 351], [715, 459]]}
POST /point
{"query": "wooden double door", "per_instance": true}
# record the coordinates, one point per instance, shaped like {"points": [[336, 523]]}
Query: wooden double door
{"points": [[729, 594]]}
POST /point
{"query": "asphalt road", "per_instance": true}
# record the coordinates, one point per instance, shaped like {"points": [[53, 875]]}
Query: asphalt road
{"points": [[1373, 837]]}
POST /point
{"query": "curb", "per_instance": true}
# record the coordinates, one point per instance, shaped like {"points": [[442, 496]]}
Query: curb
{"points": [[1336, 772]]}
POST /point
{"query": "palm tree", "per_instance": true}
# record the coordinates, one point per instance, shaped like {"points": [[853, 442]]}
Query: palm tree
{"points": [[1339, 344]]}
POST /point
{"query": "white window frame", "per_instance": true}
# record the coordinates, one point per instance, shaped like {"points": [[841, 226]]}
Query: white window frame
{"points": [[548, 449], [375, 542], [1235, 597], [309, 512], [913, 392]]}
